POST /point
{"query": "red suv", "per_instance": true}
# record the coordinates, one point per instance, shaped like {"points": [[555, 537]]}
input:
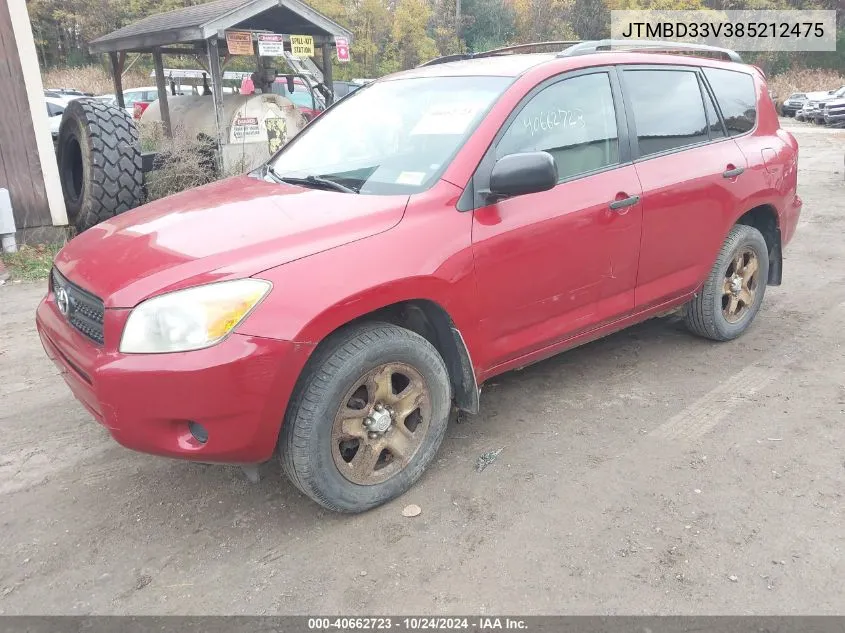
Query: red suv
{"points": [[434, 229]]}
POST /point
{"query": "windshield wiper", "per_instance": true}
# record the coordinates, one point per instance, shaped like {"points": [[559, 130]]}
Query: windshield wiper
{"points": [[312, 181]]}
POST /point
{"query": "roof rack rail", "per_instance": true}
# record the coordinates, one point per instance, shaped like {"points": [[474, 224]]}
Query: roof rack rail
{"points": [[505, 50], [653, 46]]}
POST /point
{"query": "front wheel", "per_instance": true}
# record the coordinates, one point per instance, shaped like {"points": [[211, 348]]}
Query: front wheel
{"points": [[367, 418], [733, 292]]}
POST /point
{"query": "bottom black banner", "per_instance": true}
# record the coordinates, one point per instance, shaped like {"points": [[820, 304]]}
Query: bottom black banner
{"points": [[477, 624]]}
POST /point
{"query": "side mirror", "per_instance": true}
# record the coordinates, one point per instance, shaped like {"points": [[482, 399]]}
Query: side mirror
{"points": [[520, 174]]}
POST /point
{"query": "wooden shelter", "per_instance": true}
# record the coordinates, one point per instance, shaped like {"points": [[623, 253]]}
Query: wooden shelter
{"points": [[200, 30]]}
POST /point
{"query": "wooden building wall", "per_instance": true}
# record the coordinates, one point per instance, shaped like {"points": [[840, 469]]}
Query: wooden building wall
{"points": [[21, 161]]}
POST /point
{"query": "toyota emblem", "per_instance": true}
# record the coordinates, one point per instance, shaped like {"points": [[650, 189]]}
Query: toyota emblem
{"points": [[62, 300]]}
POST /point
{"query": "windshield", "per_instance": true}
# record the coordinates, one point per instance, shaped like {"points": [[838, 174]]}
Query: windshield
{"points": [[300, 96], [393, 137]]}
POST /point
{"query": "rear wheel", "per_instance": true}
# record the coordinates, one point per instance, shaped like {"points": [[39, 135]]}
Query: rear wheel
{"points": [[733, 292], [367, 418]]}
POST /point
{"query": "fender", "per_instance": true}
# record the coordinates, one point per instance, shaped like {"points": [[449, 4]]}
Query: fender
{"points": [[762, 212], [314, 296]]}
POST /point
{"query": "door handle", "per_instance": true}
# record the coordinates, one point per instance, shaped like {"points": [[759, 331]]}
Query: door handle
{"points": [[621, 204], [732, 173]]}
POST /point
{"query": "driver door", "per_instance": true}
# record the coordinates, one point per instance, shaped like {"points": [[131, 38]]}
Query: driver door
{"points": [[550, 265]]}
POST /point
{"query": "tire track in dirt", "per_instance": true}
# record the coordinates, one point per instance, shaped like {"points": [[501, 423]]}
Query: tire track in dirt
{"points": [[717, 405]]}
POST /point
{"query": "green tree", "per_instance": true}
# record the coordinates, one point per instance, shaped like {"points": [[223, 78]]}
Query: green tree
{"points": [[412, 43], [488, 24], [543, 20]]}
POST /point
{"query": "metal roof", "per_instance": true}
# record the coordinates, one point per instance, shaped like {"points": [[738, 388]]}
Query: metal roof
{"points": [[202, 21]]}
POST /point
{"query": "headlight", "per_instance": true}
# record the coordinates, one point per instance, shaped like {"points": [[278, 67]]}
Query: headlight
{"points": [[190, 319]]}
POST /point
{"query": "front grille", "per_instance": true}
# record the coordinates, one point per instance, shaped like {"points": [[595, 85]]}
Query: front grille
{"points": [[83, 310]]}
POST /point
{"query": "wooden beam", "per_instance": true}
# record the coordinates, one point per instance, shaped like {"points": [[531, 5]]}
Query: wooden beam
{"points": [[161, 85], [217, 95], [117, 78], [327, 71], [144, 43], [192, 50]]}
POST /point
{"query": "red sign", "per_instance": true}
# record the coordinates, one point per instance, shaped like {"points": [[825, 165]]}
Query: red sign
{"points": [[342, 45]]}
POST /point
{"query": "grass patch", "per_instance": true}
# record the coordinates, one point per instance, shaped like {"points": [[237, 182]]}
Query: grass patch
{"points": [[31, 263]]}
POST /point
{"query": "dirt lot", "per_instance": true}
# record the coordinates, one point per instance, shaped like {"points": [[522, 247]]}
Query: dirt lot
{"points": [[650, 472]]}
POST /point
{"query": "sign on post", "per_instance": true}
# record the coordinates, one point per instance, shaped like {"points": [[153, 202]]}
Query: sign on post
{"points": [[271, 45], [302, 45], [245, 129], [342, 45], [239, 43]]}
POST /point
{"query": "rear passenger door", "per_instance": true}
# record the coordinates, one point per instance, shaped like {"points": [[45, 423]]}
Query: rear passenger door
{"points": [[689, 169]]}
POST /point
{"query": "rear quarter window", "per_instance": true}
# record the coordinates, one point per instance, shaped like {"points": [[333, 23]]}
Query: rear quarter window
{"points": [[737, 98]]}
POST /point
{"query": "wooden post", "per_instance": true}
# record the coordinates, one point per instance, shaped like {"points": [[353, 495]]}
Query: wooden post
{"points": [[217, 95], [117, 71], [161, 84], [327, 70]]}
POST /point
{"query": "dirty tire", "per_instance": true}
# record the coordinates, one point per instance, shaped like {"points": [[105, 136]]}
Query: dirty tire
{"points": [[306, 440], [703, 314], [99, 162]]}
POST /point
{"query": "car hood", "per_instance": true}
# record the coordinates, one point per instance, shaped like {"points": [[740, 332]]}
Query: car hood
{"points": [[229, 229]]}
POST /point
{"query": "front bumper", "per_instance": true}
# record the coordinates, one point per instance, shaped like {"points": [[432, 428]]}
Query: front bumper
{"points": [[834, 117], [238, 389]]}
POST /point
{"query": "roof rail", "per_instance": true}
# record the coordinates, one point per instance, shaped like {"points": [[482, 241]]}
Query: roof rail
{"points": [[652, 46], [505, 50]]}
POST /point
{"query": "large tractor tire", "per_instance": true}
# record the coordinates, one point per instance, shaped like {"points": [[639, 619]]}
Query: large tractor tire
{"points": [[99, 162]]}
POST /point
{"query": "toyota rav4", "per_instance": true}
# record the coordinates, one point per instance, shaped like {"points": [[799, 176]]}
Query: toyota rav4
{"points": [[436, 228]]}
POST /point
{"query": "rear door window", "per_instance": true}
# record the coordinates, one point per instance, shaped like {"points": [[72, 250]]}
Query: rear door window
{"points": [[737, 98], [668, 109]]}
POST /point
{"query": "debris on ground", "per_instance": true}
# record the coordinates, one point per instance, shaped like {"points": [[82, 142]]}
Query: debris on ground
{"points": [[733, 578], [412, 510], [485, 459], [143, 581]]}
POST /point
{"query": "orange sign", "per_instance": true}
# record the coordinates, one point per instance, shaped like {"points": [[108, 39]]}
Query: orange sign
{"points": [[239, 43]]}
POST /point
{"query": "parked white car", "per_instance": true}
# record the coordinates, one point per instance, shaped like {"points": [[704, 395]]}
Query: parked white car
{"points": [[55, 109], [811, 105]]}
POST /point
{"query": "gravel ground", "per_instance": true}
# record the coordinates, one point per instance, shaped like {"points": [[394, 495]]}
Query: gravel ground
{"points": [[649, 472]]}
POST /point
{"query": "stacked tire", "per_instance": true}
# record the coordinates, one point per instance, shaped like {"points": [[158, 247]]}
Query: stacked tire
{"points": [[100, 163]]}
